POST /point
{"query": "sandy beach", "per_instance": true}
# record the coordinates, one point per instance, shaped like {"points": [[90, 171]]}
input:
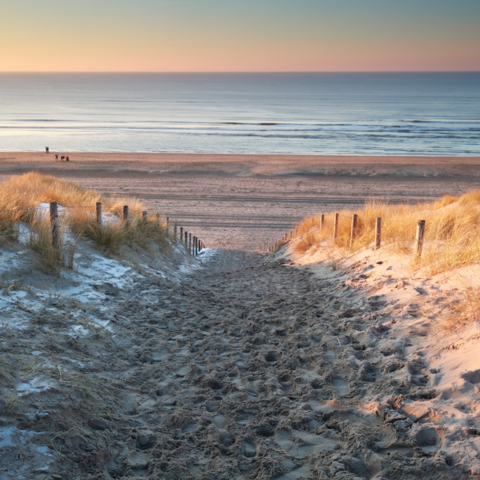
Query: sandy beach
{"points": [[248, 201]]}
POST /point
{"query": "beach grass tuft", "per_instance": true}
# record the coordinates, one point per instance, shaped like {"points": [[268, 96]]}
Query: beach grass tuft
{"points": [[452, 234], [21, 200]]}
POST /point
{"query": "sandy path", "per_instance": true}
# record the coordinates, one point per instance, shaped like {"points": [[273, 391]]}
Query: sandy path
{"points": [[246, 370], [248, 201]]}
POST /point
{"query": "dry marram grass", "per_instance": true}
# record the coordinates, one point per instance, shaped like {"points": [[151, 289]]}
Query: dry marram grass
{"points": [[26, 191], [21, 196], [452, 235], [463, 309]]}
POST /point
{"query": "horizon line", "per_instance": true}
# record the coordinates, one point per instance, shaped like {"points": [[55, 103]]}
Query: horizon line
{"points": [[233, 72]]}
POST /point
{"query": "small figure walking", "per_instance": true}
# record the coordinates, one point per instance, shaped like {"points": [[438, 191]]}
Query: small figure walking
{"points": [[46, 149], [67, 159], [56, 156]]}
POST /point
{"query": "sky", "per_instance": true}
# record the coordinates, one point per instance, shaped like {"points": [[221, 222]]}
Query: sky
{"points": [[239, 35]]}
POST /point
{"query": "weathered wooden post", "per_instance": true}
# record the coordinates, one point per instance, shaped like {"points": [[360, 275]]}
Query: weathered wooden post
{"points": [[335, 227], [175, 231], [322, 222], [353, 230], [54, 224], [190, 242], [99, 213], [378, 233], [186, 239], [168, 223], [144, 216], [195, 246], [419, 237], [125, 213]]}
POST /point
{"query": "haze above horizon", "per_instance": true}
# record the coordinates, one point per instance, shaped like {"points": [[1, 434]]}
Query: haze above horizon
{"points": [[240, 36]]}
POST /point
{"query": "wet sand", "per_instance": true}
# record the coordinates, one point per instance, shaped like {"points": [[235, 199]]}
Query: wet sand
{"points": [[248, 201]]}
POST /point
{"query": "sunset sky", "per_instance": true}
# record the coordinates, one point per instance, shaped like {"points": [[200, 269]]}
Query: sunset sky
{"points": [[239, 35]]}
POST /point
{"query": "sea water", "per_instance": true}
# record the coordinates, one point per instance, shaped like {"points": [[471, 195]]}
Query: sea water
{"points": [[251, 113]]}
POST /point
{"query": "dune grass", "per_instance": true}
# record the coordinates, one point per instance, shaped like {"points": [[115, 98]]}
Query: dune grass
{"points": [[462, 310], [110, 237], [27, 191], [452, 233], [40, 241], [20, 200]]}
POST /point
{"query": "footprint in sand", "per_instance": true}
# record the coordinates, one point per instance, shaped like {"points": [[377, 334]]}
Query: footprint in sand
{"points": [[341, 386]]}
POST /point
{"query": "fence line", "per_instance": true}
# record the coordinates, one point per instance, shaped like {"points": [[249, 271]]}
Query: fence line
{"points": [[354, 230], [192, 244]]}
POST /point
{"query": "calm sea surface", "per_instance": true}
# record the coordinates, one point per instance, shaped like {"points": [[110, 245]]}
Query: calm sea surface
{"points": [[374, 114]]}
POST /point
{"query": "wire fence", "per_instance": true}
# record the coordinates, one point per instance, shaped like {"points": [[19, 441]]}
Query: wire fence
{"points": [[191, 242], [354, 232]]}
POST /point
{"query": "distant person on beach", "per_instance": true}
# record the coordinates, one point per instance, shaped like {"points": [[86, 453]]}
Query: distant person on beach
{"points": [[67, 159], [46, 149], [56, 156]]}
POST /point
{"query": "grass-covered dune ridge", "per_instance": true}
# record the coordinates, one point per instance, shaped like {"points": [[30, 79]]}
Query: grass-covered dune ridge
{"points": [[21, 200], [452, 234], [28, 190]]}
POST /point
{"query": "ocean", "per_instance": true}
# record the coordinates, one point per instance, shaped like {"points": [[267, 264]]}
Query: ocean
{"points": [[251, 113]]}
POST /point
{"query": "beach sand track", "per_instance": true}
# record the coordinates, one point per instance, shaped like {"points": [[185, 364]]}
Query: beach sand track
{"points": [[248, 369]]}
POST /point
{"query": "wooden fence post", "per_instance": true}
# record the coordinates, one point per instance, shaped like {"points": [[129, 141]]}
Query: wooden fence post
{"points": [[322, 222], [190, 242], [99, 213], [419, 237], [168, 223], [186, 239], [125, 213], [175, 231], [54, 224], [195, 246], [378, 233], [335, 227], [353, 231], [144, 216]]}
